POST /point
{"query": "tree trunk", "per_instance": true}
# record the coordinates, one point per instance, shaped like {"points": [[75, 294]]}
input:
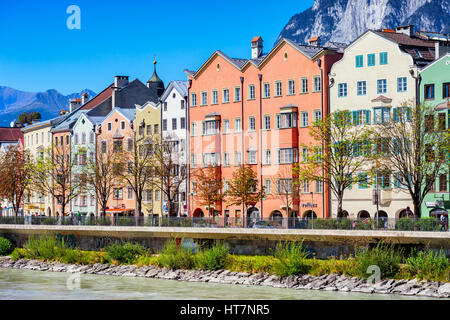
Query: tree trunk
{"points": [[339, 212]]}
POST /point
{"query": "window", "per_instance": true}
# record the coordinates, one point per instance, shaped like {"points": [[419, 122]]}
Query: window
{"points": [[286, 120], [129, 193], [382, 146], [252, 124], [429, 123], [362, 181], [174, 123], [226, 95], [383, 180], [267, 186], [278, 89], [443, 182], [361, 88], [194, 160], [226, 126], [342, 90], [317, 84], [165, 106], [291, 87], [446, 90], [237, 125], [305, 186], [157, 195], [287, 155], [267, 122], [211, 159], [317, 116], [117, 145], [267, 157], [237, 158], [441, 121], [429, 91], [103, 147], [141, 130], [359, 61], [318, 186], [215, 97], [361, 117], [164, 127], [371, 59], [109, 126], [284, 186], [182, 104], [182, 123], [401, 114], [92, 200], [304, 88], [304, 154], [266, 90], [156, 127], [381, 115], [75, 138], [193, 99], [117, 194], [148, 196], [383, 58], [429, 153], [401, 84], [226, 159], [122, 125], [251, 91], [204, 101], [237, 94], [252, 156], [381, 86], [210, 127], [130, 144]]}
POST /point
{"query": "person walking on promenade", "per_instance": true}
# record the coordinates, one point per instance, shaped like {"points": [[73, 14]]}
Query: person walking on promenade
{"points": [[443, 222]]}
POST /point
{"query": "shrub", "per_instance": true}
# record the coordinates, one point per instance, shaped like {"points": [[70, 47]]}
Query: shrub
{"points": [[323, 224], [382, 255], [6, 246], [427, 224], [365, 224], [429, 265], [50, 221], [344, 224], [290, 259], [175, 257], [126, 253], [11, 220], [405, 224], [214, 258], [46, 247], [125, 221]]}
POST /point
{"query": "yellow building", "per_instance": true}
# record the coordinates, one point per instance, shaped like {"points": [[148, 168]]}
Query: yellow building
{"points": [[148, 128], [37, 139]]}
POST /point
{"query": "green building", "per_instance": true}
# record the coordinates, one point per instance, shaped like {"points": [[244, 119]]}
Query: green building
{"points": [[435, 90]]}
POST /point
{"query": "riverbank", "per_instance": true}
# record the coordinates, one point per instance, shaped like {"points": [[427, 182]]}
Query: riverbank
{"points": [[331, 282]]}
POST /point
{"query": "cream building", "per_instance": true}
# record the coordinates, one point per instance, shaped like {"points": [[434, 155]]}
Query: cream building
{"points": [[375, 76]]}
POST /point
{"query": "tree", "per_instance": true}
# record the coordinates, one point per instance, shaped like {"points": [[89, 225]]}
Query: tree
{"points": [[28, 117], [345, 152], [16, 172], [287, 186], [53, 175], [243, 188], [415, 148], [208, 188], [170, 173]]}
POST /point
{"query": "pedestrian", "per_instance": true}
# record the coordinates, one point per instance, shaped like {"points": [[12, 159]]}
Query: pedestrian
{"points": [[443, 222]]}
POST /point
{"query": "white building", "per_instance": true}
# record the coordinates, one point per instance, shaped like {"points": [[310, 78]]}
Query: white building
{"points": [[174, 129]]}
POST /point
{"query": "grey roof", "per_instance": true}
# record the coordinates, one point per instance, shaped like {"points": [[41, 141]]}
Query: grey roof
{"points": [[190, 72], [309, 51], [95, 119], [338, 46], [182, 86], [135, 93], [69, 122], [130, 114]]}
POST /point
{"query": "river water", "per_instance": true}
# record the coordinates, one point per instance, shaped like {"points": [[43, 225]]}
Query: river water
{"points": [[16, 284]]}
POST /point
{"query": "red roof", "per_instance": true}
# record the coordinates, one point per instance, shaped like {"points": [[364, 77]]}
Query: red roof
{"points": [[313, 39], [10, 134], [102, 96], [256, 39], [388, 30]]}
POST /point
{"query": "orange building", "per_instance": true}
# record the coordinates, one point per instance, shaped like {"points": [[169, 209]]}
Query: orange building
{"points": [[258, 111]]}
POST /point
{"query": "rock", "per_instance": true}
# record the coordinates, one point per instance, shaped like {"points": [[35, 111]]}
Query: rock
{"points": [[444, 290], [428, 293], [331, 288], [364, 289]]}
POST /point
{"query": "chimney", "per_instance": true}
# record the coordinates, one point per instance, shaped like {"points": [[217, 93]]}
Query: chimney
{"points": [[84, 98], [315, 41], [408, 30], [120, 81], [257, 47], [73, 104], [441, 49]]}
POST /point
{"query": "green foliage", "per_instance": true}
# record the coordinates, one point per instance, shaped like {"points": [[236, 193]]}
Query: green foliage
{"points": [[238, 263], [214, 258], [405, 224], [427, 224], [428, 265], [125, 253], [290, 259], [27, 117], [125, 221], [6, 246], [323, 224], [366, 224], [176, 257], [50, 221], [382, 255], [46, 247], [12, 220], [344, 224]]}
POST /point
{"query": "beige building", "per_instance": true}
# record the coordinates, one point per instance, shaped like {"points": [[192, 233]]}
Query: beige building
{"points": [[375, 77]]}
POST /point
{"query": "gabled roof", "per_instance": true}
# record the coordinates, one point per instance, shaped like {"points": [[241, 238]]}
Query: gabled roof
{"points": [[129, 114], [446, 56], [382, 99], [180, 86], [102, 96], [10, 134]]}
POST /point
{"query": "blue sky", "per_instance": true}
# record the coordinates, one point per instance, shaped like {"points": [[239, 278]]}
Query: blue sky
{"points": [[38, 51]]}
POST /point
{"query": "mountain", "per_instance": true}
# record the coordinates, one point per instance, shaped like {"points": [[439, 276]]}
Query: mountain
{"points": [[345, 20], [49, 103]]}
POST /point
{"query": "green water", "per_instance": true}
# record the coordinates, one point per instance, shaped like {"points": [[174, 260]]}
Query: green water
{"points": [[18, 284]]}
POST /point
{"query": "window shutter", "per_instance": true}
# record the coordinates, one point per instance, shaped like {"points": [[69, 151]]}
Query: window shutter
{"points": [[408, 114], [355, 118], [367, 116], [279, 156], [395, 114], [396, 180]]}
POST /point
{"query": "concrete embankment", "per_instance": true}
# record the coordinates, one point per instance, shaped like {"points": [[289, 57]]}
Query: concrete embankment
{"points": [[332, 282], [325, 243]]}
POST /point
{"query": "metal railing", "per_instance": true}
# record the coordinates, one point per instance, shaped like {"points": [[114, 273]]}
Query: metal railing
{"points": [[402, 224]]}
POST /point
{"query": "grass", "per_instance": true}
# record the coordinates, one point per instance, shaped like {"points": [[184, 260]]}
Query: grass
{"points": [[384, 256]]}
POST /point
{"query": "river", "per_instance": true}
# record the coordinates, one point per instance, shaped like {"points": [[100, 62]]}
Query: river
{"points": [[18, 284]]}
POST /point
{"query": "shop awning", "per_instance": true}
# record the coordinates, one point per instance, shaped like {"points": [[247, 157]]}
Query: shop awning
{"points": [[438, 211]]}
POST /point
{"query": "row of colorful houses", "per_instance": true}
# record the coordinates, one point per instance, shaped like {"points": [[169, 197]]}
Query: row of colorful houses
{"points": [[258, 112]]}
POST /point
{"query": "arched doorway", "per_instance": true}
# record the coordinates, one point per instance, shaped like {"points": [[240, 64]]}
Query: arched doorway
{"points": [[277, 217], [253, 216], [309, 214], [198, 213], [363, 214], [405, 214], [343, 214], [382, 219], [293, 219]]}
